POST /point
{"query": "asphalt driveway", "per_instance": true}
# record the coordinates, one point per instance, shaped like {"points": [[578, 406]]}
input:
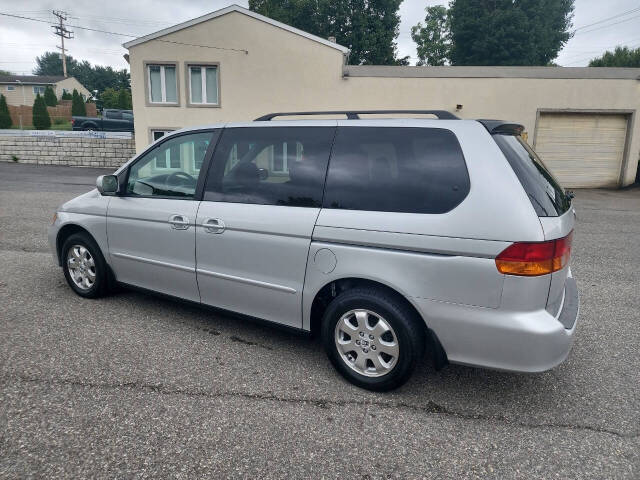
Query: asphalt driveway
{"points": [[137, 386]]}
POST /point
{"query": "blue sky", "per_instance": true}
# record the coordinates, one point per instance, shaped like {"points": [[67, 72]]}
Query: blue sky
{"points": [[21, 40]]}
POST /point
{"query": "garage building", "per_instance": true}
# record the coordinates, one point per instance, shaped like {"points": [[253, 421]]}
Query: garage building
{"points": [[236, 65]]}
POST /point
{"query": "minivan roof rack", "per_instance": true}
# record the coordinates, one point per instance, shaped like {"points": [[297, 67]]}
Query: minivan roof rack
{"points": [[355, 114]]}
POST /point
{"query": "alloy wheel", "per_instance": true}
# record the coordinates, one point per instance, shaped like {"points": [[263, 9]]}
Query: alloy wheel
{"points": [[82, 267], [367, 343]]}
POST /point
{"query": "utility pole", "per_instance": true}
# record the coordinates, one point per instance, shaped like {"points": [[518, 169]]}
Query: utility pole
{"points": [[63, 33]]}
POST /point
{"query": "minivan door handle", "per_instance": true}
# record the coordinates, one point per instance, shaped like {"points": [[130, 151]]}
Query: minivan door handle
{"points": [[179, 222], [213, 225]]}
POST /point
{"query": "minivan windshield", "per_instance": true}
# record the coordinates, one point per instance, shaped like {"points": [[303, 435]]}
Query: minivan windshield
{"points": [[545, 193]]}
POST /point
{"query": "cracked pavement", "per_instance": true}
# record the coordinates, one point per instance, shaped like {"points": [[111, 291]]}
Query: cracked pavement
{"points": [[139, 386]]}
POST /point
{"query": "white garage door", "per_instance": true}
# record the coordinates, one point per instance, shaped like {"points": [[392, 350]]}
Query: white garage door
{"points": [[582, 149]]}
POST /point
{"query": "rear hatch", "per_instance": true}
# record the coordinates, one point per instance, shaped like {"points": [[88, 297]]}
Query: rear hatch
{"points": [[549, 200]]}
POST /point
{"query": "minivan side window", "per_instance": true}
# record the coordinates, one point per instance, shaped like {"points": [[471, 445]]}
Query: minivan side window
{"points": [[410, 170], [270, 166], [171, 169]]}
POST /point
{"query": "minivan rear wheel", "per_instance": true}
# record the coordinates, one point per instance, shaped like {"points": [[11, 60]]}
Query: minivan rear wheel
{"points": [[372, 338], [84, 266]]}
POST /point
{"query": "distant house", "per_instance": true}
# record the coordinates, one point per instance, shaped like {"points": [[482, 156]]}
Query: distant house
{"points": [[22, 89]]}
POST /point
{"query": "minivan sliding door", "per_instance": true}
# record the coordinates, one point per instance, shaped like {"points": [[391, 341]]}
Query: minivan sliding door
{"points": [[254, 225]]}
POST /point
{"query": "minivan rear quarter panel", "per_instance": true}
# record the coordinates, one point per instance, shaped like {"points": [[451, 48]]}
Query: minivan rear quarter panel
{"points": [[438, 277], [558, 227], [445, 257]]}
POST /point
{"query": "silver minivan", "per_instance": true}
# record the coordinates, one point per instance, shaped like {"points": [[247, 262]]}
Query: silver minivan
{"points": [[386, 236]]}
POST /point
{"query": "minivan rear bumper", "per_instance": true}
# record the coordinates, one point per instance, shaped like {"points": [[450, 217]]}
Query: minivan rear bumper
{"points": [[532, 341]]}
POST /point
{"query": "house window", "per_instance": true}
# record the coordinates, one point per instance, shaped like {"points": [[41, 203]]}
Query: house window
{"points": [[203, 85], [281, 155], [38, 90], [175, 155], [10, 88], [167, 159], [157, 134], [163, 86]]}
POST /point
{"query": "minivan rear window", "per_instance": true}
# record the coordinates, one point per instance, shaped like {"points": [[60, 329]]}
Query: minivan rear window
{"points": [[410, 170], [545, 193]]}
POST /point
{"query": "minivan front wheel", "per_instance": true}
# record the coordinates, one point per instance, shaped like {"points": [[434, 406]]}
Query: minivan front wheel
{"points": [[372, 338], [84, 266]]}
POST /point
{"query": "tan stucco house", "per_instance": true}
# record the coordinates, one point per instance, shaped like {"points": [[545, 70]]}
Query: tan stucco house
{"points": [[22, 89], [235, 65]]}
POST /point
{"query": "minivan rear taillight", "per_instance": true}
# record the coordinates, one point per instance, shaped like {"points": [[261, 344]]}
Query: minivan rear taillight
{"points": [[535, 258]]}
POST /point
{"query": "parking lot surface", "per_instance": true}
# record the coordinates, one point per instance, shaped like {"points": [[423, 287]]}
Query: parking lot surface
{"points": [[138, 386]]}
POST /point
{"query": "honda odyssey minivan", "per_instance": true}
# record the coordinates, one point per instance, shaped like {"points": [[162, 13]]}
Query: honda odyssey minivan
{"points": [[387, 236]]}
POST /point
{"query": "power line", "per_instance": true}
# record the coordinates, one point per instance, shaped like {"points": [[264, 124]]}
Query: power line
{"points": [[591, 57], [609, 18], [607, 26], [37, 46], [602, 49], [24, 18], [240, 50], [590, 52], [126, 21]]}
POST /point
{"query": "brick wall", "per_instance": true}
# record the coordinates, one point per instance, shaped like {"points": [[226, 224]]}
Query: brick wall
{"points": [[80, 152]]}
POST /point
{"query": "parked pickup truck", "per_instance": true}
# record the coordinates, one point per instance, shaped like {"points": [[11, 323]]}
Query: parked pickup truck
{"points": [[111, 121]]}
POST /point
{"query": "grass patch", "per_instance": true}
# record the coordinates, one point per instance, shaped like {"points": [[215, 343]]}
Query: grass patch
{"points": [[66, 125], [57, 125]]}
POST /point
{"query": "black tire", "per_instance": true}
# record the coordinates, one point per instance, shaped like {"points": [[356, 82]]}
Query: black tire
{"points": [[408, 329], [99, 287]]}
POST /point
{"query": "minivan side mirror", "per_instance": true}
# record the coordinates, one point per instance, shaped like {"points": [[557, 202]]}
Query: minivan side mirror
{"points": [[107, 184]]}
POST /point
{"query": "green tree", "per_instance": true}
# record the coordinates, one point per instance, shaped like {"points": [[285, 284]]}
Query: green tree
{"points": [[124, 99], [112, 98], [49, 63], [66, 96], [432, 38], [5, 117], [50, 97], [92, 77], [78, 108], [109, 98], [620, 57], [369, 28], [508, 32], [41, 119], [5, 73]]}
